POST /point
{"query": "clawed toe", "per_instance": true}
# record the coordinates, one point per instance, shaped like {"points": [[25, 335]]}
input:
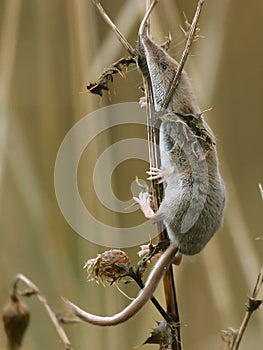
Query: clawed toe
{"points": [[159, 174], [155, 174]]}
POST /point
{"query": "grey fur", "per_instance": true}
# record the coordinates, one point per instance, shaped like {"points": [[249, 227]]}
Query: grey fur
{"points": [[194, 199]]}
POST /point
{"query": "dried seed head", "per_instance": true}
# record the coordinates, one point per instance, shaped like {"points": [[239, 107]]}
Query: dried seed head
{"points": [[110, 266], [15, 318]]}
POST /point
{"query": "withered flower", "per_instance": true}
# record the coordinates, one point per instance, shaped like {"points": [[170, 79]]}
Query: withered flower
{"points": [[110, 266], [15, 318]]}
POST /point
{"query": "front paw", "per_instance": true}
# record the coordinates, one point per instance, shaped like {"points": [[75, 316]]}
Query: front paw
{"points": [[143, 199], [144, 202]]}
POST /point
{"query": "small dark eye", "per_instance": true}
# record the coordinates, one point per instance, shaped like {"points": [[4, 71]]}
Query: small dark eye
{"points": [[164, 66]]}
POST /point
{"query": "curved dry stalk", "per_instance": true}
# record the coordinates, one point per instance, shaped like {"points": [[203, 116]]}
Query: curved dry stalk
{"points": [[34, 290], [157, 188]]}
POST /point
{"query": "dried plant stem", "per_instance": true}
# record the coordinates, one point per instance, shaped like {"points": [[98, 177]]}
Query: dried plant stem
{"points": [[146, 20], [190, 38], [155, 302], [157, 190], [168, 280], [113, 27], [33, 290], [253, 305]]}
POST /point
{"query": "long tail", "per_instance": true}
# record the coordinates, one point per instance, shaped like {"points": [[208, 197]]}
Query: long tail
{"points": [[144, 295]]}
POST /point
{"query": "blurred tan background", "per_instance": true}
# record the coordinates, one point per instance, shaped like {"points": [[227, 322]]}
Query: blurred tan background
{"points": [[49, 51]]}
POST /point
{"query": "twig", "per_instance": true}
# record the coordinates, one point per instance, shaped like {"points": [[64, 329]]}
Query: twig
{"points": [[146, 18], [155, 302], [33, 290], [113, 27], [253, 305], [102, 83], [157, 190], [190, 39]]}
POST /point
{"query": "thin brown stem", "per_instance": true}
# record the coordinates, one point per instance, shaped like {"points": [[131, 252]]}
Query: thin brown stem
{"points": [[115, 30], [33, 290], [155, 302], [253, 305], [157, 190], [190, 39], [152, 133], [145, 23]]}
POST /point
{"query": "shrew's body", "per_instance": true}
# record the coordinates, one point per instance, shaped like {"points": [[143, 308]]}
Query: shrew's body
{"points": [[194, 198]]}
